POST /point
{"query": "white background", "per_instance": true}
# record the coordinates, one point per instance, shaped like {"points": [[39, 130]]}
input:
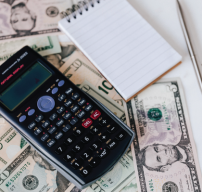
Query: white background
{"points": [[163, 16]]}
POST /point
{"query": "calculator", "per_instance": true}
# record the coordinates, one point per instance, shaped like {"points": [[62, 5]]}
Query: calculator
{"points": [[74, 132]]}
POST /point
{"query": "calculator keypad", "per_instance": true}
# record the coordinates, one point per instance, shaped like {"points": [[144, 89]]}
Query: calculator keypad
{"points": [[78, 132]]}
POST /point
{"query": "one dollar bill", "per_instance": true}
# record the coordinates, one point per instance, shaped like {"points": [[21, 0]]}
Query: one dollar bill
{"points": [[164, 152]]}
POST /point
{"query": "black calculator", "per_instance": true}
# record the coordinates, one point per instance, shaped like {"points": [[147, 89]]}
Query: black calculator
{"points": [[74, 132]]}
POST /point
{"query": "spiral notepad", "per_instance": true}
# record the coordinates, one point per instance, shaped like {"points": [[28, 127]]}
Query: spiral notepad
{"points": [[121, 44]]}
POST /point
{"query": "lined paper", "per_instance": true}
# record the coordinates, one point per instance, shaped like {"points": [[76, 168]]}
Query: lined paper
{"points": [[121, 44]]}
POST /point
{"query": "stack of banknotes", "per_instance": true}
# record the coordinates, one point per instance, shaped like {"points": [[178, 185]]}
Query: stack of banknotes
{"points": [[163, 156]]}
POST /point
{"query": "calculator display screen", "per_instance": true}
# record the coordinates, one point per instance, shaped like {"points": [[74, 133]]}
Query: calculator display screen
{"points": [[24, 86]]}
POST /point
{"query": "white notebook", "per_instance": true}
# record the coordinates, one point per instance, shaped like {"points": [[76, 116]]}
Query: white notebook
{"points": [[121, 44]]}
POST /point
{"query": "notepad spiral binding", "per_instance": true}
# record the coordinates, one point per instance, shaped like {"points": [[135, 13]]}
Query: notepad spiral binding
{"points": [[78, 8]]}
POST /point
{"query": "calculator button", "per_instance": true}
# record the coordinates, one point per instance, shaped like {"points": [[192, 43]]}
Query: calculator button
{"points": [[78, 131], [52, 130], [68, 103], [77, 164], [67, 115], [31, 112], [53, 116], [68, 91], [112, 129], [112, 144], [45, 103], [66, 128], [95, 145], [82, 102], [60, 122], [69, 140], [61, 83], [87, 138], [86, 155], [39, 118], [22, 118], [77, 147], [81, 114], [88, 122], [104, 122], [88, 107], [95, 114], [75, 96], [104, 137], [54, 90], [74, 121], [38, 131], [61, 97], [51, 142], [45, 137], [94, 162], [75, 108], [59, 135], [85, 171], [95, 130], [103, 153], [61, 149], [69, 156], [32, 125], [120, 136], [46, 124], [60, 110]]}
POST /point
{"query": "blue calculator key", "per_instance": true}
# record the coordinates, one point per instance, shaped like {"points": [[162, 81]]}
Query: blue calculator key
{"points": [[53, 116], [75, 96], [88, 107], [52, 130], [38, 131], [74, 121], [45, 137], [75, 108], [39, 118], [45, 103], [51, 142], [68, 103], [59, 135], [46, 124], [54, 90], [32, 125], [31, 112], [67, 115], [66, 128], [61, 83], [69, 90], [81, 114], [82, 102], [60, 122], [22, 118]]}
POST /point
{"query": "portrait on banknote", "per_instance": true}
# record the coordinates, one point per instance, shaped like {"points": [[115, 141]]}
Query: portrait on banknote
{"points": [[27, 18], [164, 152]]}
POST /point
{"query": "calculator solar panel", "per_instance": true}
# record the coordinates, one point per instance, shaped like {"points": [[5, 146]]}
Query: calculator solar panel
{"points": [[74, 132]]}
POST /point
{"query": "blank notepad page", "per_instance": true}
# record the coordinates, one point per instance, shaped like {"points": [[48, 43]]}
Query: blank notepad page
{"points": [[121, 44]]}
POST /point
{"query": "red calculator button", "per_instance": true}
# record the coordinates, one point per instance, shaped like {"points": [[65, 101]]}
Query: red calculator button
{"points": [[95, 114], [88, 122]]}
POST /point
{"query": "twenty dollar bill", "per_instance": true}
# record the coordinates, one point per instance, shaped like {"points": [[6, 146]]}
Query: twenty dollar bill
{"points": [[164, 151]]}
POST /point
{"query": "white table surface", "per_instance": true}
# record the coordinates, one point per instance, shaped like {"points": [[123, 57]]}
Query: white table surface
{"points": [[163, 16]]}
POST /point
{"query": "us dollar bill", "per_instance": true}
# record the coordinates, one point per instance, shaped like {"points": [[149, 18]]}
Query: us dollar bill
{"points": [[164, 152], [28, 18], [30, 172], [131, 187], [10, 144], [78, 68], [45, 45]]}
